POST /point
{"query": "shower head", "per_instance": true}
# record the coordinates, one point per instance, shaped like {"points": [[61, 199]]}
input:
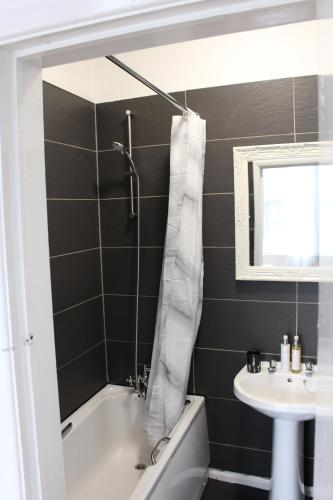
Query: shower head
{"points": [[118, 147]]}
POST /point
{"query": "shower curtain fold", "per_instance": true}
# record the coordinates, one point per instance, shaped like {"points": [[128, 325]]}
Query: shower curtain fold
{"points": [[180, 296]]}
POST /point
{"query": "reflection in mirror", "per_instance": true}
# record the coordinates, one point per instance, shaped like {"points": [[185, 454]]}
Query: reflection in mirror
{"points": [[283, 211], [285, 203]]}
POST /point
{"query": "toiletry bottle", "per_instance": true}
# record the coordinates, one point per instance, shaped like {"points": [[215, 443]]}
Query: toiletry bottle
{"points": [[296, 366], [285, 354]]}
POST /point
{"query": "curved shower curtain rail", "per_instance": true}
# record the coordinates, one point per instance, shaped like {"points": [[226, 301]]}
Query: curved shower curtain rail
{"points": [[148, 84]]}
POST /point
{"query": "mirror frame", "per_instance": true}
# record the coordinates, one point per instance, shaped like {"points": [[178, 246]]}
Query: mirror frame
{"points": [[294, 153]]}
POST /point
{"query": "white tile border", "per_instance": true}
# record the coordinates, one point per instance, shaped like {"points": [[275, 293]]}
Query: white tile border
{"points": [[261, 483]]}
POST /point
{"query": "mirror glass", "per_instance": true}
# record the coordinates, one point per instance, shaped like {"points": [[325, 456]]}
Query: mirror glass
{"points": [[284, 211], [285, 204]]}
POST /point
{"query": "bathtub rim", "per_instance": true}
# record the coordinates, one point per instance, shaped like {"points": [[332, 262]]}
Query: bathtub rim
{"points": [[119, 391]]}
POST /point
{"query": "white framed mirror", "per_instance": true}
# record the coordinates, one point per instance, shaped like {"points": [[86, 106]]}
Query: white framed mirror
{"points": [[283, 211]]}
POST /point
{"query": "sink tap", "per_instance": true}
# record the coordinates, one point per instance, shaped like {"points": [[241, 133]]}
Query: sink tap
{"points": [[309, 369], [272, 366]]}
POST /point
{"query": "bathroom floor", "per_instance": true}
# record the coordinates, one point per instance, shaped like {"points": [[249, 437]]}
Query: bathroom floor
{"points": [[217, 490]]}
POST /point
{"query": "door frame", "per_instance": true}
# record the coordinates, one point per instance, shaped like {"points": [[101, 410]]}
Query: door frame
{"points": [[24, 251]]}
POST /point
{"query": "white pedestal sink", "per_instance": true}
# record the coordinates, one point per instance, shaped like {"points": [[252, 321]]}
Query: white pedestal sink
{"points": [[290, 399]]}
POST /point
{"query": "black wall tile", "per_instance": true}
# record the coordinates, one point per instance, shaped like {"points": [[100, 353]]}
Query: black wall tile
{"points": [[219, 164], [306, 104], [242, 325], [151, 269], [218, 220], [220, 282], [145, 352], [113, 179], [308, 328], [75, 278], [120, 317], [73, 225], [70, 172], [68, 118], [223, 367], [308, 292], [120, 361], [307, 137], [118, 229], [154, 212], [152, 164], [232, 422], [80, 380], [249, 109], [151, 123], [242, 460], [232, 491], [78, 329], [119, 268]]}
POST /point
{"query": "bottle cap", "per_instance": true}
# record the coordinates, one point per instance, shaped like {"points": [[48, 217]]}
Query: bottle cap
{"points": [[285, 339]]}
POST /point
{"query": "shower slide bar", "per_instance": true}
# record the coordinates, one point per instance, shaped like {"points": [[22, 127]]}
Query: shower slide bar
{"points": [[148, 84]]}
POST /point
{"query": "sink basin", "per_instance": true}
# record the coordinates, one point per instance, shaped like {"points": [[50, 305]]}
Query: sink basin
{"points": [[290, 396]]}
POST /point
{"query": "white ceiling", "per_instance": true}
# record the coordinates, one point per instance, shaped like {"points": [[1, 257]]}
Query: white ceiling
{"points": [[264, 54]]}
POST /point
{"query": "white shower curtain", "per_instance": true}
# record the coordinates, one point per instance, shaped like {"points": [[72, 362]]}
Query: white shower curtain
{"points": [[180, 296]]}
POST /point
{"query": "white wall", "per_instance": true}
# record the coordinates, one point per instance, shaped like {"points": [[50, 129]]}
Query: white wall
{"points": [[278, 52]]}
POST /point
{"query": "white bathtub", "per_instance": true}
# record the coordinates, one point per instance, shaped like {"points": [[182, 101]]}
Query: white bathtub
{"points": [[107, 442]]}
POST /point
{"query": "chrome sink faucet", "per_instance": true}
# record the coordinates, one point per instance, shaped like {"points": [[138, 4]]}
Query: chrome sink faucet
{"points": [[309, 371], [272, 366]]}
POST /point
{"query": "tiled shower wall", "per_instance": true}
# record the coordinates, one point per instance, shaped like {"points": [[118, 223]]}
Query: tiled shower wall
{"points": [[74, 239], [237, 316]]}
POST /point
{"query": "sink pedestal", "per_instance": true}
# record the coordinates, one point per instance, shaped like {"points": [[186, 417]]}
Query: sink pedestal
{"points": [[286, 461]]}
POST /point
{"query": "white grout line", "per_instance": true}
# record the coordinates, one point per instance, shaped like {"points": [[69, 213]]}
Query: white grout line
{"points": [[80, 355], [73, 253], [250, 137], [238, 446], [72, 199], [217, 349], [70, 145], [151, 246], [251, 300], [77, 305], [100, 248], [147, 197], [208, 298], [131, 295], [207, 140], [261, 483], [136, 147], [217, 194], [128, 247]]}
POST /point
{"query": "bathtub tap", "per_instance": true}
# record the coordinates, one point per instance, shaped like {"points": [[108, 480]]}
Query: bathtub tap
{"points": [[142, 384]]}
